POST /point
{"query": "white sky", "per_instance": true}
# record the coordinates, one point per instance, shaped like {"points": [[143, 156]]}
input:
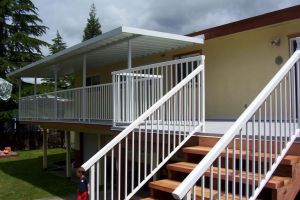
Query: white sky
{"points": [[175, 16]]}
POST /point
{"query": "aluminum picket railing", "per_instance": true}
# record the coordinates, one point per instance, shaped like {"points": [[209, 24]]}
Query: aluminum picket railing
{"points": [[137, 89], [89, 104], [263, 133], [128, 161]]}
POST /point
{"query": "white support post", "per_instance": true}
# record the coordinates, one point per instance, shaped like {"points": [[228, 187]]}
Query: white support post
{"points": [[84, 71], [203, 95], [84, 91], [114, 98], [55, 90], [128, 84], [45, 147], [129, 55], [68, 154]]}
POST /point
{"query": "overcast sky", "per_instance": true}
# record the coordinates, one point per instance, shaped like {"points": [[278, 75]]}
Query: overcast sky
{"points": [[175, 16]]}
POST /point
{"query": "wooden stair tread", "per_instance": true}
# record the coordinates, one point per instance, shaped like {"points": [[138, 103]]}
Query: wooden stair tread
{"points": [[167, 185], [274, 183], [202, 150]]}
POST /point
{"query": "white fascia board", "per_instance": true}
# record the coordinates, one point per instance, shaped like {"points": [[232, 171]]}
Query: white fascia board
{"points": [[164, 35]]}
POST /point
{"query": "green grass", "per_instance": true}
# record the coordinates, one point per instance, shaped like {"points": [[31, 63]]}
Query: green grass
{"points": [[22, 177]]}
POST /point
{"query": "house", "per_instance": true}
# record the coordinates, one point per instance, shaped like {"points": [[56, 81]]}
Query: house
{"points": [[143, 97]]}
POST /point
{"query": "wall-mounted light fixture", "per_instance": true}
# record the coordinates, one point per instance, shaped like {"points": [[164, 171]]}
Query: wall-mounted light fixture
{"points": [[276, 41], [279, 60]]}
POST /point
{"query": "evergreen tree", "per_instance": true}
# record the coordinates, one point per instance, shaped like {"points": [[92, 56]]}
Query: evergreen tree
{"points": [[93, 27], [20, 27], [64, 82], [57, 44]]}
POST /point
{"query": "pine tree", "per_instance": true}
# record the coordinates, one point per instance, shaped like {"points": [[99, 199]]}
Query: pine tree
{"points": [[93, 26], [20, 27], [64, 82], [57, 44]]}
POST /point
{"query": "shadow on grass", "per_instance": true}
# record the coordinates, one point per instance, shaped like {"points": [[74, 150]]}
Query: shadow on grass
{"points": [[25, 176]]}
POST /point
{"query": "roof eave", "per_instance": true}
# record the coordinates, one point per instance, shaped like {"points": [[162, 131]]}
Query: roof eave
{"points": [[84, 46]]}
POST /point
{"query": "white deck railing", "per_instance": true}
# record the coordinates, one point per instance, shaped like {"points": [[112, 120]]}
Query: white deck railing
{"points": [[269, 126], [128, 161], [84, 104], [138, 88]]}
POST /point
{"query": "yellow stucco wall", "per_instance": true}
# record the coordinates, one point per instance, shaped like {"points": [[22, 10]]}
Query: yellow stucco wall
{"points": [[105, 72], [238, 66]]}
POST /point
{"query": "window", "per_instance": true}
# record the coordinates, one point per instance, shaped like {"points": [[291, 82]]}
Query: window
{"points": [[93, 80]]}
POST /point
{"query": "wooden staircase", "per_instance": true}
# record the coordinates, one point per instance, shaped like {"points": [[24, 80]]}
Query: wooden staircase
{"points": [[284, 184]]}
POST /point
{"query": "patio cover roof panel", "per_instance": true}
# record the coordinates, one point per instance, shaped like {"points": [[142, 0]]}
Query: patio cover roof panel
{"points": [[105, 49]]}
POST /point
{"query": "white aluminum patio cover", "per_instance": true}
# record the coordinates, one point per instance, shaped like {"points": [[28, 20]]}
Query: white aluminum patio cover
{"points": [[106, 49]]}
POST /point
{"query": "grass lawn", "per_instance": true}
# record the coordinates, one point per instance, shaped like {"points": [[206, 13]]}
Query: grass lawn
{"points": [[22, 177]]}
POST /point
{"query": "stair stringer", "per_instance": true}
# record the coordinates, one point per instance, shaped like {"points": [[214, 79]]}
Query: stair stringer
{"points": [[275, 165], [290, 191]]}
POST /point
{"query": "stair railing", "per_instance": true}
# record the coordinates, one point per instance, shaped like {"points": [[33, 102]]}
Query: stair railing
{"points": [[129, 160], [268, 126]]}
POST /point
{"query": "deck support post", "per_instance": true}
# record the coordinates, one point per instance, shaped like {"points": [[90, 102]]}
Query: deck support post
{"points": [[68, 153], [45, 147]]}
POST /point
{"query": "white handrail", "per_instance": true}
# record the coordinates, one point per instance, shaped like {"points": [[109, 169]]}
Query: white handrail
{"points": [[190, 181], [93, 160], [67, 90], [129, 74], [170, 62]]}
